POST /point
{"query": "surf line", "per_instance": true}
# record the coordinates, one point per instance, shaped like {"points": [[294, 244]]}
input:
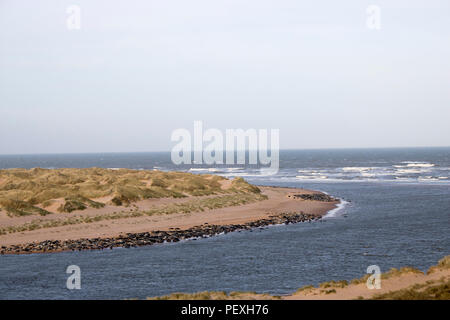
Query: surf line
{"points": [[332, 213]]}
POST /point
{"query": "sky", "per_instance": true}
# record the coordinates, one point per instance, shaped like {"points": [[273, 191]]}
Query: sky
{"points": [[137, 70]]}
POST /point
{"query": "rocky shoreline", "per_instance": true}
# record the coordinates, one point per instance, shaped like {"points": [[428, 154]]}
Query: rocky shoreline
{"points": [[154, 237], [313, 197]]}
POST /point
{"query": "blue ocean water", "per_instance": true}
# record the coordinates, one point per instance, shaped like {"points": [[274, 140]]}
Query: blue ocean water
{"points": [[397, 213]]}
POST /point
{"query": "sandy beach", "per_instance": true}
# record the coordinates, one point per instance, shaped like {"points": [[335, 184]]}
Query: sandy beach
{"points": [[279, 201]]}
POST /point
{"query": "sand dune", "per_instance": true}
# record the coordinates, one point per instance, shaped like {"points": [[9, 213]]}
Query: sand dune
{"points": [[277, 202]]}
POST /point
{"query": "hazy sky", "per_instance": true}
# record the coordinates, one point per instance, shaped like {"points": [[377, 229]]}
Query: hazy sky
{"points": [[137, 70]]}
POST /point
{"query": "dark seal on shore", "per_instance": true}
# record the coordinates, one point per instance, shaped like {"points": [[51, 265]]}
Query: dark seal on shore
{"points": [[313, 196], [148, 238]]}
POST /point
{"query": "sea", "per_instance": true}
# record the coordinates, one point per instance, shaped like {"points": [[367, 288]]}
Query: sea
{"points": [[394, 212]]}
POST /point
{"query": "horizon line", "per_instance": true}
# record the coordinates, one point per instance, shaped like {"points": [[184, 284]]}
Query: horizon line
{"points": [[246, 150]]}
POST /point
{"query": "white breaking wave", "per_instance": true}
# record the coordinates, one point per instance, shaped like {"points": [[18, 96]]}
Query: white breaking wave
{"points": [[415, 164], [428, 178], [332, 213], [205, 169], [217, 169], [233, 169], [366, 174], [311, 177], [403, 180], [422, 165], [406, 171], [358, 169]]}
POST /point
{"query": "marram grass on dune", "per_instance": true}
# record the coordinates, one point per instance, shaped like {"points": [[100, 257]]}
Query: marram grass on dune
{"points": [[33, 191]]}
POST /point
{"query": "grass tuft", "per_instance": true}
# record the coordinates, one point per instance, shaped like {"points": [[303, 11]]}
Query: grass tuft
{"points": [[443, 264], [217, 295], [21, 208], [439, 291]]}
